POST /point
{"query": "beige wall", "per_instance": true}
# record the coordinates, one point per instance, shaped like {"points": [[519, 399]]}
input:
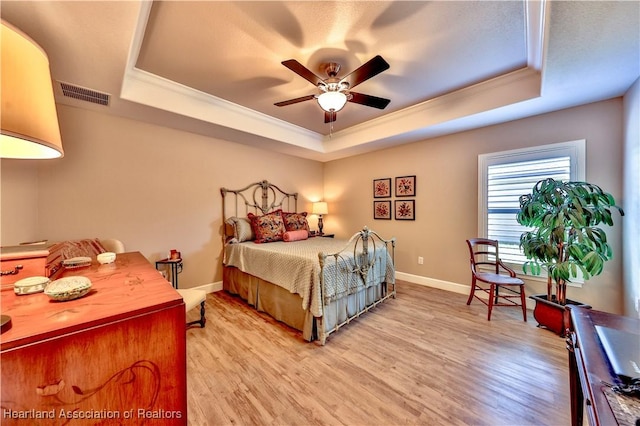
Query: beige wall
{"points": [[19, 201], [447, 192], [154, 188], [157, 189]]}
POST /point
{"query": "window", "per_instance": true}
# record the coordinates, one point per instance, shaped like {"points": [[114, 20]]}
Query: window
{"points": [[505, 176]]}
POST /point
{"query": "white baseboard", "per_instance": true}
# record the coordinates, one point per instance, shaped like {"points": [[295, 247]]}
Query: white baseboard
{"points": [[210, 288], [445, 285], [432, 282]]}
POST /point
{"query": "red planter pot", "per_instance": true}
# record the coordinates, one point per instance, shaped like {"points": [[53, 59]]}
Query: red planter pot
{"points": [[552, 315]]}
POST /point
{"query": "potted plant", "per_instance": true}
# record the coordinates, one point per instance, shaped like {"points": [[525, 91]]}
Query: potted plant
{"points": [[565, 241]]}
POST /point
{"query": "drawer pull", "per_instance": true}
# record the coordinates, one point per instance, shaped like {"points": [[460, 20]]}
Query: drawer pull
{"points": [[15, 271]]}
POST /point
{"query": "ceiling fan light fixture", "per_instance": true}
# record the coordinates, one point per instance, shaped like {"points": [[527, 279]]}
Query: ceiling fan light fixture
{"points": [[332, 101]]}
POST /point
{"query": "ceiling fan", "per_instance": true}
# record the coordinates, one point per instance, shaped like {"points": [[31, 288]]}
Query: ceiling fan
{"points": [[335, 92]]}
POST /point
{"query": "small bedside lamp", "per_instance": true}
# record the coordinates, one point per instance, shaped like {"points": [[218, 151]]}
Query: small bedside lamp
{"points": [[320, 208]]}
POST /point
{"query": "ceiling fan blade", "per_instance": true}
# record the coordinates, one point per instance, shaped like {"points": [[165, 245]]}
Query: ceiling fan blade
{"points": [[368, 100], [294, 101], [302, 71], [330, 116], [372, 68]]}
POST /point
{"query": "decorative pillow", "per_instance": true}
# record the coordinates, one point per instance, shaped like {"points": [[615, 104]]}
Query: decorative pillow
{"points": [[239, 228], [300, 234], [268, 227], [295, 221]]}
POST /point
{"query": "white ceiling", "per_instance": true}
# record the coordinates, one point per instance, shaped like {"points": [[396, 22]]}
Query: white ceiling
{"points": [[214, 67]]}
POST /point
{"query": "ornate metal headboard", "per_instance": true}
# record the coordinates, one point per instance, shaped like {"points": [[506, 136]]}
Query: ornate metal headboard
{"points": [[257, 198]]}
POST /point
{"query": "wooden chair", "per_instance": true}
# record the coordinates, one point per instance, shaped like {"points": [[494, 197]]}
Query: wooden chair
{"points": [[112, 245], [192, 299], [486, 267]]}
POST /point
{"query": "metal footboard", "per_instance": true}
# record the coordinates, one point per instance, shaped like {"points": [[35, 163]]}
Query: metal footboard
{"points": [[356, 279]]}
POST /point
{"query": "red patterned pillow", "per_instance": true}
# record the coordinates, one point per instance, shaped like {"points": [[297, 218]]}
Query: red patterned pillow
{"points": [[268, 227], [295, 221]]}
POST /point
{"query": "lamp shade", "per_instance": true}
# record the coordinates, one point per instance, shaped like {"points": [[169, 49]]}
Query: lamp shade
{"points": [[320, 208], [29, 119], [332, 101]]}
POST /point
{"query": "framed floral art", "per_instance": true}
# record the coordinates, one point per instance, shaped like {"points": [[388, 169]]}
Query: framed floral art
{"points": [[406, 186], [382, 188], [382, 210], [405, 210]]}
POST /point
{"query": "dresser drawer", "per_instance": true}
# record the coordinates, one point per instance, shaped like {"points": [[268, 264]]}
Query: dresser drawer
{"points": [[33, 262]]}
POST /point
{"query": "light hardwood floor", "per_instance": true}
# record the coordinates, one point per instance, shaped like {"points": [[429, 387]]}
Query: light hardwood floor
{"points": [[424, 358]]}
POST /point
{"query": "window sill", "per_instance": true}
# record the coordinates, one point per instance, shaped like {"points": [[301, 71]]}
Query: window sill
{"points": [[537, 278]]}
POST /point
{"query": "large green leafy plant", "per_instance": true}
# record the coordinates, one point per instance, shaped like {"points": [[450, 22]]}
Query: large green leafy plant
{"points": [[565, 239]]}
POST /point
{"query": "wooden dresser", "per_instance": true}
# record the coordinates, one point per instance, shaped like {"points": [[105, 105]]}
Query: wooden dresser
{"points": [[116, 356]]}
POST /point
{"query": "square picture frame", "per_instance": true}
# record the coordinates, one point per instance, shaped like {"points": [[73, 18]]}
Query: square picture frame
{"points": [[405, 186], [382, 188], [382, 210], [405, 209]]}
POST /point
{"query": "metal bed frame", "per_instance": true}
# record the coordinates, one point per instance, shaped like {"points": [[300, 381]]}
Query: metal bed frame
{"points": [[263, 197]]}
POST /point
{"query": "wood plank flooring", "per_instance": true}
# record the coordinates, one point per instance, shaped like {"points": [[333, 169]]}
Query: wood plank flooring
{"points": [[424, 358]]}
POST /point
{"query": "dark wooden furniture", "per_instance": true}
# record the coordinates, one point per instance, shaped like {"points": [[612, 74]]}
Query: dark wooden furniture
{"points": [[486, 267], [589, 368], [117, 354]]}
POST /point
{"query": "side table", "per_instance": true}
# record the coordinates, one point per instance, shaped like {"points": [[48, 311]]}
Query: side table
{"points": [[174, 266]]}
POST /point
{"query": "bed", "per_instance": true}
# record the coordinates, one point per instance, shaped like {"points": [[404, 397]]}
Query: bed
{"points": [[311, 283]]}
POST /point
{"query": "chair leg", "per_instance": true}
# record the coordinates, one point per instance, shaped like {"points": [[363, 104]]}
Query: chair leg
{"points": [[473, 290], [490, 304], [202, 321], [524, 304]]}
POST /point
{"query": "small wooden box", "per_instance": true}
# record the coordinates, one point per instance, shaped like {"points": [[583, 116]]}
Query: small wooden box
{"points": [[33, 259]]}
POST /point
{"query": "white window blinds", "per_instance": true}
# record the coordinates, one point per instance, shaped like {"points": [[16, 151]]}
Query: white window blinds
{"points": [[504, 176], [505, 184]]}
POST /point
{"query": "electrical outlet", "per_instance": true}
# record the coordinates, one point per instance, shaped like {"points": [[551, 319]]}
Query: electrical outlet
{"points": [[420, 260]]}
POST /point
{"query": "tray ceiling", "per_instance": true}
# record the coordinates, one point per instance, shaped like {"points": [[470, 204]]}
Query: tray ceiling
{"points": [[214, 67]]}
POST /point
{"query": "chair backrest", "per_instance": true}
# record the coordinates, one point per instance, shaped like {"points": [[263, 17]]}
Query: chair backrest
{"points": [[483, 251], [113, 245]]}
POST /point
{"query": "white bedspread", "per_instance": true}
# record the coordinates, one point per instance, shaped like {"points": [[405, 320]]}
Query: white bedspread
{"points": [[295, 266]]}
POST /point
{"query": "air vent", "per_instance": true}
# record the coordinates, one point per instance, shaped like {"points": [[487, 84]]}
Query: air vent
{"points": [[84, 94]]}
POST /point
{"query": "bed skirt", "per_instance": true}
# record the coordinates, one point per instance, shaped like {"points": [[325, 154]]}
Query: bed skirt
{"points": [[287, 307]]}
